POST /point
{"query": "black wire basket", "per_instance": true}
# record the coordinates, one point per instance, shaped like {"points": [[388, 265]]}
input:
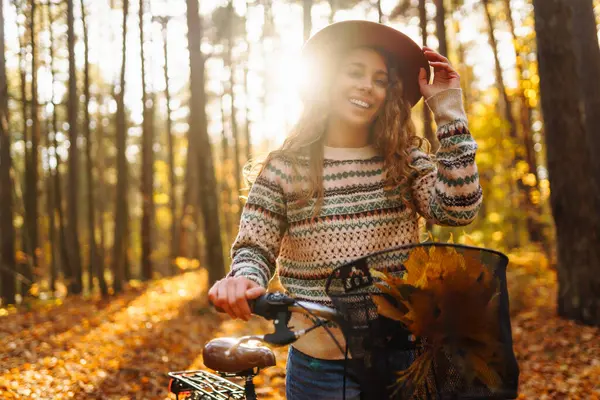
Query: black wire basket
{"points": [[380, 347]]}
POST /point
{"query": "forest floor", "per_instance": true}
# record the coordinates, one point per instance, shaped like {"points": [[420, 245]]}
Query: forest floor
{"points": [[122, 347]]}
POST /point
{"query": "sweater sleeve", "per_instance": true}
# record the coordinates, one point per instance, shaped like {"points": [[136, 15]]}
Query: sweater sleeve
{"points": [[262, 226], [445, 188]]}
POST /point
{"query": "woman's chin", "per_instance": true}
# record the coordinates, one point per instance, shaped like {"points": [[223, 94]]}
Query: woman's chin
{"points": [[358, 121]]}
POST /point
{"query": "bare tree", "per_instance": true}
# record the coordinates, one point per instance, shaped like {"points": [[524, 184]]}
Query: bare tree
{"points": [[526, 109], [498, 68], [574, 198], [95, 267], [198, 125], [58, 199], [50, 206], [427, 120], [8, 265], [76, 285], [440, 25], [147, 172], [246, 91], [225, 190], [119, 260], [31, 170], [50, 209], [164, 22], [101, 201], [26, 267], [465, 71], [234, 21]]}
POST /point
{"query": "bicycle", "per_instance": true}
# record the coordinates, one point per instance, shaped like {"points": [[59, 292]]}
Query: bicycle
{"points": [[373, 341], [234, 360]]}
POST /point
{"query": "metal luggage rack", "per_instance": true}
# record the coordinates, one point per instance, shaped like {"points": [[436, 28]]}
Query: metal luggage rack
{"points": [[204, 386]]}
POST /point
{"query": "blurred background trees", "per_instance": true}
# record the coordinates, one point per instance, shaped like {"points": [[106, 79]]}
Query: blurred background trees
{"points": [[124, 127]]}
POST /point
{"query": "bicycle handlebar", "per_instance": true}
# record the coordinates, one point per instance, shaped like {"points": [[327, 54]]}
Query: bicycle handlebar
{"points": [[277, 307], [268, 305]]}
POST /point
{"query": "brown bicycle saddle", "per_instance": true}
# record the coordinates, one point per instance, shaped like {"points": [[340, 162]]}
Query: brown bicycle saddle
{"points": [[242, 358]]}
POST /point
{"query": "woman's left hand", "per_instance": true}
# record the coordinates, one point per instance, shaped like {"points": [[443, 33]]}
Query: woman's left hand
{"points": [[444, 76]]}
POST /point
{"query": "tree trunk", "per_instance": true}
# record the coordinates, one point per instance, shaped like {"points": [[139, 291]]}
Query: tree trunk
{"points": [[248, 129], [246, 91], [498, 68], [76, 285], [440, 25], [53, 243], [147, 165], [8, 265], [535, 226], [234, 125], [428, 132], [588, 62], [170, 140], [50, 209], [26, 242], [100, 167], [464, 69], [526, 110], [121, 213], [574, 198], [94, 268], [307, 18], [198, 125], [187, 228], [62, 232], [31, 197], [225, 162], [516, 201]]}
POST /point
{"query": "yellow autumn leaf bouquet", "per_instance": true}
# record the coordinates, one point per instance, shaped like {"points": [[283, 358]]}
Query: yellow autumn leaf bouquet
{"points": [[450, 300]]}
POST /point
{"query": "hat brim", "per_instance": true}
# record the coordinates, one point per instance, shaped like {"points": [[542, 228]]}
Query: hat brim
{"points": [[340, 36]]}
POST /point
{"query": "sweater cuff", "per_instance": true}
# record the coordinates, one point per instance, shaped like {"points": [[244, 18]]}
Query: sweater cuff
{"points": [[447, 106], [249, 272]]}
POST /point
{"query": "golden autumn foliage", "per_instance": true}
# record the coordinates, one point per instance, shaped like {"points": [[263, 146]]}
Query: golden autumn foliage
{"points": [[451, 300]]}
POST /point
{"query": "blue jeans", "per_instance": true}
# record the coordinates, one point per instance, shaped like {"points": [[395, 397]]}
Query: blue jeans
{"points": [[309, 378]]}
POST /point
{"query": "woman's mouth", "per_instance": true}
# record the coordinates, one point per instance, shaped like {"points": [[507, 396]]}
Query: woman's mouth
{"points": [[360, 103]]}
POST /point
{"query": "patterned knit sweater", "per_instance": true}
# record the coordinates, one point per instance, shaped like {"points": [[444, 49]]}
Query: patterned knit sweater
{"points": [[357, 217]]}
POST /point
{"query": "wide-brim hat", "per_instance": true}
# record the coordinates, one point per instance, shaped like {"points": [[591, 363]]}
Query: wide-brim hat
{"points": [[336, 38]]}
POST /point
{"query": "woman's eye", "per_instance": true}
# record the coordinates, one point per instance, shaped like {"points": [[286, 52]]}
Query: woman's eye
{"points": [[354, 73], [381, 82]]}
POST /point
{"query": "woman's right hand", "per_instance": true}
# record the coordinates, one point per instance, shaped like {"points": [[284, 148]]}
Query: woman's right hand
{"points": [[232, 294]]}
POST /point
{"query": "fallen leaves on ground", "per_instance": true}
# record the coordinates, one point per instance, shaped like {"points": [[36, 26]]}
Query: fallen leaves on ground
{"points": [[122, 348], [559, 359]]}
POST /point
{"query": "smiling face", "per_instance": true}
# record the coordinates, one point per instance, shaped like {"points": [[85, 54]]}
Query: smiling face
{"points": [[359, 89]]}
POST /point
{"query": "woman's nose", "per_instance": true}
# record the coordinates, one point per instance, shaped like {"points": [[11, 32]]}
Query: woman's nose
{"points": [[366, 86]]}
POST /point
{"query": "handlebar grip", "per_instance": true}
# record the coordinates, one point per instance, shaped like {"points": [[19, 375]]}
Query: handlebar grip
{"points": [[267, 305], [251, 304]]}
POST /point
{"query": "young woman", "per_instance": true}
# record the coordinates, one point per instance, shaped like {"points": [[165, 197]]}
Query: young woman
{"points": [[351, 179]]}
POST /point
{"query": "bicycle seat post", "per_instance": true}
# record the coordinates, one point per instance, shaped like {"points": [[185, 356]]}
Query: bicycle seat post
{"points": [[249, 388]]}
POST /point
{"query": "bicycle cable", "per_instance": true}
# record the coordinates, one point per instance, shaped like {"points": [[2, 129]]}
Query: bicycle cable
{"points": [[321, 322]]}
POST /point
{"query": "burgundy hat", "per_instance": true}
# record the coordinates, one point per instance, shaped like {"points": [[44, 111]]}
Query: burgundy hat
{"points": [[346, 35]]}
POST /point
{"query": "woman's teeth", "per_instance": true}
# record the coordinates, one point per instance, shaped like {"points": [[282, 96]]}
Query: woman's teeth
{"points": [[359, 103]]}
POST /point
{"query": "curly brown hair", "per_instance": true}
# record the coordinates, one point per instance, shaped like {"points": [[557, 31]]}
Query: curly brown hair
{"points": [[393, 134]]}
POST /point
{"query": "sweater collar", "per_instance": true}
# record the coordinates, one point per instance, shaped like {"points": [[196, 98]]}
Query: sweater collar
{"points": [[350, 153]]}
